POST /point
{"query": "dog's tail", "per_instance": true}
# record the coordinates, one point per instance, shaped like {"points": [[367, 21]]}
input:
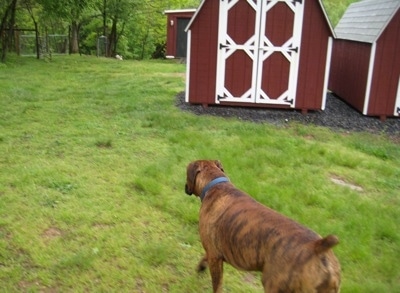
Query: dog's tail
{"points": [[326, 243]]}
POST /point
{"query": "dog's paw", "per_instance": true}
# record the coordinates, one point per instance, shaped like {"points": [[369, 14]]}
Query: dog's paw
{"points": [[202, 266]]}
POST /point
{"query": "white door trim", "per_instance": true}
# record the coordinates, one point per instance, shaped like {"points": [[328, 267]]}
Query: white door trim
{"points": [[229, 48]]}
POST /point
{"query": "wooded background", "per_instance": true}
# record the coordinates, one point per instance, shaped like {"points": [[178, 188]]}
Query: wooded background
{"points": [[131, 28]]}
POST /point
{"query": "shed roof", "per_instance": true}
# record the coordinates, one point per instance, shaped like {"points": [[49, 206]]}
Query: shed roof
{"points": [[320, 3], [172, 11], [364, 21]]}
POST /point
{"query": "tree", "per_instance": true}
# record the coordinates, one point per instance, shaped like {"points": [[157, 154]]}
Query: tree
{"points": [[74, 11], [7, 26], [29, 6], [133, 27], [119, 12]]}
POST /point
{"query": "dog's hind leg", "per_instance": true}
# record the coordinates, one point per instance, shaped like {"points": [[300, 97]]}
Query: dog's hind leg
{"points": [[273, 282], [216, 271]]}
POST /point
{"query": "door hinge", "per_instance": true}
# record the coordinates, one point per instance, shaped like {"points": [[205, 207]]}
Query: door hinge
{"points": [[222, 46], [299, 1], [295, 49], [288, 101], [219, 98], [398, 110]]}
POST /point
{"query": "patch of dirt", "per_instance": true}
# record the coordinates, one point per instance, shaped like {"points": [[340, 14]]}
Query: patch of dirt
{"points": [[101, 226], [51, 233], [28, 286], [139, 286], [339, 181], [337, 115]]}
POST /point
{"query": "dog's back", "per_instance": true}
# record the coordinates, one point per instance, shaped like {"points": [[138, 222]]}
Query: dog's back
{"points": [[251, 236]]}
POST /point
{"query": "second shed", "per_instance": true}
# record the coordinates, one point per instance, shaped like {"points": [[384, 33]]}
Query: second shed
{"points": [[177, 21], [365, 70]]}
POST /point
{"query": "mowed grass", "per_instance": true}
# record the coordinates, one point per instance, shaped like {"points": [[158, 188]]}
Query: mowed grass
{"points": [[93, 156]]}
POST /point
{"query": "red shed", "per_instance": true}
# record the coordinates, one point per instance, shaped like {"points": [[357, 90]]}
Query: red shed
{"points": [[177, 21], [260, 53], [365, 70]]}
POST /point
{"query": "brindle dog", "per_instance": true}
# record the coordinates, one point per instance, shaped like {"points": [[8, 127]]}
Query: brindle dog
{"points": [[236, 229]]}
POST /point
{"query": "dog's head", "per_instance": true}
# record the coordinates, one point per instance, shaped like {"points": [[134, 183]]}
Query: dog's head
{"points": [[199, 173]]}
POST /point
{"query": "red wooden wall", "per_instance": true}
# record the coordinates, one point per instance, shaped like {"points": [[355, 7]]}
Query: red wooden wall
{"points": [[386, 74], [349, 71], [313, 55], [203, 54]]}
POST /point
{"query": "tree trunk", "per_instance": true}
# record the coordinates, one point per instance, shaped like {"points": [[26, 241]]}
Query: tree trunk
{"points": [[36, 29], [73, 42], [6, 37], [3, 36], [37, 39], [112, 47], [11, 25], [144, 42]]}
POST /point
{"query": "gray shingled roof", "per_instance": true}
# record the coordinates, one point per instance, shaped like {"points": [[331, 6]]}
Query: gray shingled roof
{"points": [[364, 21]]}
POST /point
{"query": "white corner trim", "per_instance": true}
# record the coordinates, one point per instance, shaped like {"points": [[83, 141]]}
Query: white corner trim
{"points": [[195, 15], [327, 18], [369, 79], [397, 104], [327, 71], [189, 43]]}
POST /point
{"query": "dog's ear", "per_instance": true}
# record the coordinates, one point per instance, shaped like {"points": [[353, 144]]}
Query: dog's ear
{"points": [[191, 173], [219, 165]]}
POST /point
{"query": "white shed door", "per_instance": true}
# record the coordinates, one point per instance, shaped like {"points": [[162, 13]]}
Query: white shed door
{"points": [[258, 54]]}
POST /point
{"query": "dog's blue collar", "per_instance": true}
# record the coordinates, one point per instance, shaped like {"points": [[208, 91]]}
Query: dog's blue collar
{"points": [[211, 184]]}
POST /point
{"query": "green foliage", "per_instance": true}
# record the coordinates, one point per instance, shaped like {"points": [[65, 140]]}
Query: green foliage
{"points": [[93, 161], [141, 25], [336, 8]]}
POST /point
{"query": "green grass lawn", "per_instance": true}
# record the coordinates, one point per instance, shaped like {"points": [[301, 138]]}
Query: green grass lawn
{"points": [[93, 155]]}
